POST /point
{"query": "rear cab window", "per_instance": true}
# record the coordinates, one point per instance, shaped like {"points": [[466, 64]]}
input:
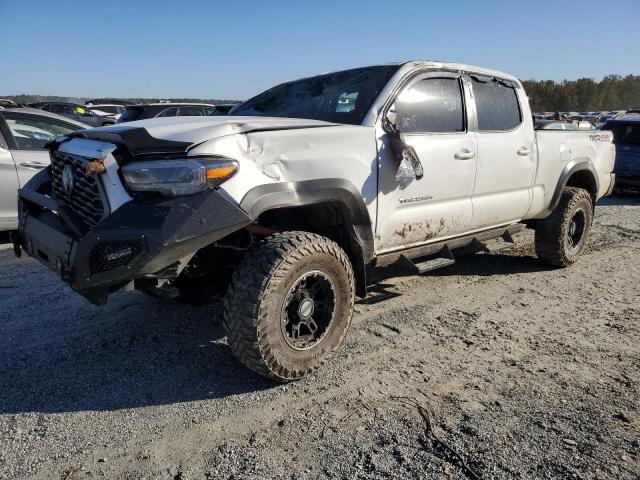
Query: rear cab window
{"points": [[497, 104]]}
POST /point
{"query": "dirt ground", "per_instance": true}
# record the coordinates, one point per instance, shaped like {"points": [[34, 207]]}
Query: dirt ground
{"points": [[496, 367]]}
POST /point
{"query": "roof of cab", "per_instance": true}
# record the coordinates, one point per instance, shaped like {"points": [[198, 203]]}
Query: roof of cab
{"points": [[457, 66]]}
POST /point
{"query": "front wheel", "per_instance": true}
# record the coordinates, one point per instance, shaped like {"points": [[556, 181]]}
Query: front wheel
{"points": [[562, 236], [289, 304]]}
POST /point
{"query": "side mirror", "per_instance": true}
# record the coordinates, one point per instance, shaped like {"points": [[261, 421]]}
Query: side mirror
{"points": [[409, 168]]}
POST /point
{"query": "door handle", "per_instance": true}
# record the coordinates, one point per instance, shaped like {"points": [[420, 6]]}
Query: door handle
{"points": [[33, 165], [524, 151], [464, 154]]}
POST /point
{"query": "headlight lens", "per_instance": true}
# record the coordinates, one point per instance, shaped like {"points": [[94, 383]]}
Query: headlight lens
{"points": [[178, 177]]}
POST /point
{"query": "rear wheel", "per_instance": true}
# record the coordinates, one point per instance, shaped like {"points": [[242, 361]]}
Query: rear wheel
{"points": [[562, 236], [289, 305]]}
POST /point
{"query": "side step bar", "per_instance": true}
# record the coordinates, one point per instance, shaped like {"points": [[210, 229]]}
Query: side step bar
{"points": [[500, 243], [441, 259], [439, 254]]}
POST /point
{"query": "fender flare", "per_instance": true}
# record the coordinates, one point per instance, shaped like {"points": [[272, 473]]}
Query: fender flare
{"points": [[574, 166], [311, 192], [308, 192]]}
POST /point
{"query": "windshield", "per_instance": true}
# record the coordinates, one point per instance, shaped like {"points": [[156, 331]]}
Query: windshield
{"points": [[340, 97]]}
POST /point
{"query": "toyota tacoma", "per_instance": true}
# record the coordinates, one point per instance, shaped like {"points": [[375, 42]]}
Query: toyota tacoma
{"points": [[290, 203]]}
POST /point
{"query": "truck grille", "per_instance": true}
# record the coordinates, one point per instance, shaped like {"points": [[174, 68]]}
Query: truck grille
{"points": [[86, 197]]}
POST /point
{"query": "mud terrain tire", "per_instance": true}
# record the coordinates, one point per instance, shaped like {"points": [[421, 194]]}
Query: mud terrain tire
{"points": [[285, 285], [562, 236]]}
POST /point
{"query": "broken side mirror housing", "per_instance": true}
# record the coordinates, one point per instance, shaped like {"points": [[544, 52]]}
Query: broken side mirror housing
{"points": [[389, 122], [410, 167]]}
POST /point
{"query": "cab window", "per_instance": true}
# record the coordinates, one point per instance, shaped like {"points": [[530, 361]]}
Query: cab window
{"points": [[497, 105], [431, 105]]}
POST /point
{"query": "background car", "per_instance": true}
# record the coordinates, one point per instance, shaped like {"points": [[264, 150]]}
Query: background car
{"points": [[6, 103], [24, 133], [108, 110], [79, 113], [224, 109], [107, 101], [626, 137], [151, 110]]}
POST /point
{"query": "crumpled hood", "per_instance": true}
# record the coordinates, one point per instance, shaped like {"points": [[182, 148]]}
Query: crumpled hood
{"points": [[179, 134]]}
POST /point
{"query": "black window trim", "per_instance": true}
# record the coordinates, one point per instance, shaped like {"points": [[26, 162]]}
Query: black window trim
{"points": [[507, 83], [6, 131], [423, 74]]}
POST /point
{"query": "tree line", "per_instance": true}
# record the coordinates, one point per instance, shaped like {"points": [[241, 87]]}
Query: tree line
{"points": [[613, 92]]}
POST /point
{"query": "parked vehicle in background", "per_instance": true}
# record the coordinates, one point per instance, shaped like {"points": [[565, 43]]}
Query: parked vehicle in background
{"points": [[289, 203], [6, 103], [224, 109], [150, 110], [107, 101], [108, 110], [79, 113], [626, 136], [24, 132]]}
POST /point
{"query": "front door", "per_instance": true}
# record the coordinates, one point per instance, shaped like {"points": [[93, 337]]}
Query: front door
{"points": [[412, 210], [29, 135], [507, 156]]}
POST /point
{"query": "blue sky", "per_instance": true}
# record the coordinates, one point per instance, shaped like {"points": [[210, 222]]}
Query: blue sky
{"points": [[234, 49]]}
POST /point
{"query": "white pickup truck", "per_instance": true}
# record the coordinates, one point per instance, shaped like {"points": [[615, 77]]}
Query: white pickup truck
{"points": [[289, 203]]}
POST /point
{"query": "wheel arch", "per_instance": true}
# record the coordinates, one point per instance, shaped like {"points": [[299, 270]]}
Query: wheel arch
{"points": [[578, 173], [332, 207]]}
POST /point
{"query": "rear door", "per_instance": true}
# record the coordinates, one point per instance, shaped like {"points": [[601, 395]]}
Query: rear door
{"points": [[507, 156], [431, 117]]}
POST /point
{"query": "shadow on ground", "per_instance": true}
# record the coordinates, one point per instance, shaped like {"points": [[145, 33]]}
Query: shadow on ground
{"points": [[58, 353], [136, 352]]}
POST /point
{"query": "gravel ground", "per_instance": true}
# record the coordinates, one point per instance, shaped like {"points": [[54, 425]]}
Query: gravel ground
{"points": [[496, 367]]}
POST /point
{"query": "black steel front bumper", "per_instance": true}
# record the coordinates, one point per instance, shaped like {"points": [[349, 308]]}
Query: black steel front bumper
{"points": [[144, 237]]}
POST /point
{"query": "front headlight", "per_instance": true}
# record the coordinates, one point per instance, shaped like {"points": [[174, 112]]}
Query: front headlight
{"points": [[178, 177]]}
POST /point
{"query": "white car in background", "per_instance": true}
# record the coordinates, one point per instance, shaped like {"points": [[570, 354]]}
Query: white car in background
{"points": [[107, 110], [24, 133]]}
